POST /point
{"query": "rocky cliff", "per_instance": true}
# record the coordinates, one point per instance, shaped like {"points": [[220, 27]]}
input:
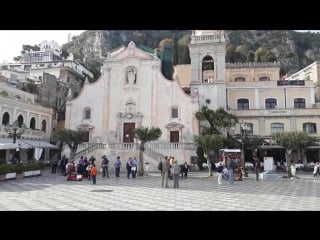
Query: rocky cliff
{"points": [[294, 50]]}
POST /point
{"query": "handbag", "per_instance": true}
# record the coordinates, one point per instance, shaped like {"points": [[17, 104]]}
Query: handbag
{"points": [[133, 168]]}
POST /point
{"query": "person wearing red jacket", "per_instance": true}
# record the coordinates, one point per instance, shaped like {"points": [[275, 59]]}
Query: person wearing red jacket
{"points": [[94, 173]]}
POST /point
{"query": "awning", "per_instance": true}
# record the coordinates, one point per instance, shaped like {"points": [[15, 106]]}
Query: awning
{"points": [[39, 144], [312, 147], [8, 146], [7, 143]]}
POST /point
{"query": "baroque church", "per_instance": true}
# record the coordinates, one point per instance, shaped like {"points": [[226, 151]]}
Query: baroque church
{"points": [[132, 92]]}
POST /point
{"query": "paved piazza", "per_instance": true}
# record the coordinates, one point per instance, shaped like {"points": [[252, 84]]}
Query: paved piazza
{"points": [[196, 193]]}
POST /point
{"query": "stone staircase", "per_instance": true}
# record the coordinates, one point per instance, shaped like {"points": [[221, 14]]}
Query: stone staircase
{"points": [[154, 152]]}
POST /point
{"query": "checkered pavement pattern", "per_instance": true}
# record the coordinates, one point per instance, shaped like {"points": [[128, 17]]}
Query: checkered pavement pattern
{"points": [[52, 192]]}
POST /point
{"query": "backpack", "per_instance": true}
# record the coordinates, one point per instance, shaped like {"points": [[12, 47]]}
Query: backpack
{"points": [[105, 161], [160, 166]]}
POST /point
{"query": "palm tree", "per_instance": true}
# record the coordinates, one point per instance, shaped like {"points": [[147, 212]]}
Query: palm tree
{"points": [[293, 141], [72, 138], [144, 134], [210, 142]]}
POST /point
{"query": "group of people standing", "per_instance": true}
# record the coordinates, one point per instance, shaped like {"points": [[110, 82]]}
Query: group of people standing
{"points": [[170, 168], [226, 168], [131, 167], [59, 164]]}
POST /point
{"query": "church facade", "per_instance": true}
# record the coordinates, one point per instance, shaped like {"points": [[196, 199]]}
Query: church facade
{"points": [[132, 92]]}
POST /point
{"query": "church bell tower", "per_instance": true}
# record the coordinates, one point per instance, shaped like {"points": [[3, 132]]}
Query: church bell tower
{"points": [[207, 52]]}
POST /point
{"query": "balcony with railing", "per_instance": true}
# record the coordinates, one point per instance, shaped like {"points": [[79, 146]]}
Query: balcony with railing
{"points": [[35, 134]]}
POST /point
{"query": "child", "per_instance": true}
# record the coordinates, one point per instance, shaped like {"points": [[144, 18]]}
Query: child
{"points": [[93, 173]]}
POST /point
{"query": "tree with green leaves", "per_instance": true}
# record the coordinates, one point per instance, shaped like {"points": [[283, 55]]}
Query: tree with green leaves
{"points": [[208, 143], [293, 141], [214, 122], [144, 134], [218, 120], [72, 138]]}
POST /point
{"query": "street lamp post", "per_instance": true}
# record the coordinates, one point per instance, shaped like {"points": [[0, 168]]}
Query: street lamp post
{"points": [[243, 129], [15, 131]]}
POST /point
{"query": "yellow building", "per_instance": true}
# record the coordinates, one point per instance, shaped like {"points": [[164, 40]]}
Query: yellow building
{"points": [[254, 92]]}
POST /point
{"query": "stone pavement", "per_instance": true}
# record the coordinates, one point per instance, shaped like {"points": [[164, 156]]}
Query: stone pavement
{"points": [[196, 193]]}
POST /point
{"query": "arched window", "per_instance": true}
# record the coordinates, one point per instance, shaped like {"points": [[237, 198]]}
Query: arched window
{"points": [[33, 123], [243, 104], [310, 127], [277, 128], [20, 120], [264, 78], [270, 103], [239, 79], [44, 125], [207, 69], [299, 103], [5, 118]]}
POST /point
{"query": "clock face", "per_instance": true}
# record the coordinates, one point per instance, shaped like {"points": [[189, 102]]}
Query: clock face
{"points": [[129, 116]]}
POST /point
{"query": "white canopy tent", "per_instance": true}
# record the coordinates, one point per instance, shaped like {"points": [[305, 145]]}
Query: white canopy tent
{"points": [[8, 146], [6, 143]]}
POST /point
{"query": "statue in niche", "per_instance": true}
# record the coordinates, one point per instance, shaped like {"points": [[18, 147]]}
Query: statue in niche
{"points": [[131, 76]]}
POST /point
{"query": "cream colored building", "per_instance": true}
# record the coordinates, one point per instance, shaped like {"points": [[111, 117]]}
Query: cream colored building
{"points": [[309, 73], [19, 105]]}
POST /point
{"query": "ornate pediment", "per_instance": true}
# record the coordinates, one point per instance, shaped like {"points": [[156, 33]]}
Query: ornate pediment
{"points": [[174, 125], [131, 52], [85, 125]]}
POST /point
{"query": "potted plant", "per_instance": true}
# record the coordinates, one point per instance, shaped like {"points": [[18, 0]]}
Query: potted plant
{"points": [[29, 169], [19, 169], [38, 167], [3, 171]]}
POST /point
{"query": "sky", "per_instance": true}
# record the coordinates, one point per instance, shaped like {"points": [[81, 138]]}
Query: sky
{"points": [[11, 41]]}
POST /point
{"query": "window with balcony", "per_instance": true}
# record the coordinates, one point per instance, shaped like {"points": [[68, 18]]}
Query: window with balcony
{"points": [[299, 103], [243, 104], [270, 103], [277, 128], [310, 127]]}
